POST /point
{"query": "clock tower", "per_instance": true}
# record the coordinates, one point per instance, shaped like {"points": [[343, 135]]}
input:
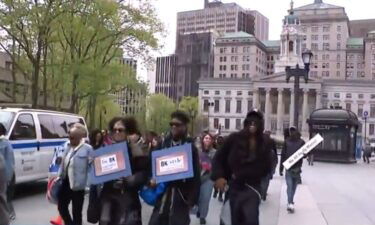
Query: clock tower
{"points": [[291, 42]]}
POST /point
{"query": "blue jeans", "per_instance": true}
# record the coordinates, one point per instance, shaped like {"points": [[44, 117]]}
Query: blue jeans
{"points": [[205, 197], [291, 182]]}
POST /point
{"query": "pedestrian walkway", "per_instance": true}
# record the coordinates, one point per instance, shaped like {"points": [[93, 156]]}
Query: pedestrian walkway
{"points": [[331, 194]]}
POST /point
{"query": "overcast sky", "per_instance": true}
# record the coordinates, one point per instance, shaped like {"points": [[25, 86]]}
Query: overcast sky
{"points": [[274, 10]]}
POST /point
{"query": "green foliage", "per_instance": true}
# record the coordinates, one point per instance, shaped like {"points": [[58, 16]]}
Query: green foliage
{"points": [[190, 106], [159, 108], [70, 51]]}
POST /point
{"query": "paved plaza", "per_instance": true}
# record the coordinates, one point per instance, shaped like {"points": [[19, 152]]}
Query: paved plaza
{"points": [[334, 194]]}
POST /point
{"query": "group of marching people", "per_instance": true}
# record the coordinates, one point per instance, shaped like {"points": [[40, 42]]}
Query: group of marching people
{"points": [[241, 166]]}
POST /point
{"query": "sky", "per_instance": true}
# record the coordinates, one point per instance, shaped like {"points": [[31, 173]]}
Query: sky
{"points": [[274, 10]]}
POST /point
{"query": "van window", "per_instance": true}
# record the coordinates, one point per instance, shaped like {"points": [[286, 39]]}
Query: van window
{"points": [[6, 118], [47, 127], [56, 126], [24, 129]]}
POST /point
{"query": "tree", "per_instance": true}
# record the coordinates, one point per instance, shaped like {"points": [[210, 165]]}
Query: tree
{"points": [[76, 47], [27, 24], [190, 106], [159, 108]]}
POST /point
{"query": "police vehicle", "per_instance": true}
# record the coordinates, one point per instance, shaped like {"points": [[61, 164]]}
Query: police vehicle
{"points": [[35, 136]]}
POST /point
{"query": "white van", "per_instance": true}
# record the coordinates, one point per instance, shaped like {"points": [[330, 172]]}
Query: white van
{"points": [[35, 135]]}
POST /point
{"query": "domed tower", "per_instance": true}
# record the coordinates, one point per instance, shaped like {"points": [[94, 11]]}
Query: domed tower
{"points": [[291, 42]]}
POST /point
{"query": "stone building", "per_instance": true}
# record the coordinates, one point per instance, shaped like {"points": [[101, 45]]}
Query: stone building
{"points": [[250, 73], [195, 34]]}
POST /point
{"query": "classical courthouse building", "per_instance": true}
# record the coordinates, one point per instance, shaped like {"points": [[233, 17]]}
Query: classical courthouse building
{"points": [[250, 73]]}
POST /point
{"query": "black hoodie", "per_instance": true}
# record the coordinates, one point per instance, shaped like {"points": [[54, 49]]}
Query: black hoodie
{"points": [[235, 161]]}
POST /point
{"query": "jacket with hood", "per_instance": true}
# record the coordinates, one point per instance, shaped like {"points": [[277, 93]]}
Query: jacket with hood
{"points": [[235, 161]]}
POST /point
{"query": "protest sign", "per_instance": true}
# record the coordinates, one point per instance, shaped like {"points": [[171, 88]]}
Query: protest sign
{"points": [[173, 163], [305, 149], [110, 163]]}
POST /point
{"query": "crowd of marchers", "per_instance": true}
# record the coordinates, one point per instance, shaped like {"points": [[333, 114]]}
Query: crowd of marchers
{"points": [[238, 168]]}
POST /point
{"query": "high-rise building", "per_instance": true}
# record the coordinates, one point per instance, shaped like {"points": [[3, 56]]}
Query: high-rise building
{"points": [[261, 25], [360, 28], [250, 73], [194, 60], [215, 16], [196, 32], [131, 99], [166, 79]]}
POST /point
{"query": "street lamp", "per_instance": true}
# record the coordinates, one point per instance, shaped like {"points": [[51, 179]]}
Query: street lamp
{"points": [[209, 104], [297, 73]]}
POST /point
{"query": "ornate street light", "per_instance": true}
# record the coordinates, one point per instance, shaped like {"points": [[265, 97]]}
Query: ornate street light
{"points": [[297, 73]]}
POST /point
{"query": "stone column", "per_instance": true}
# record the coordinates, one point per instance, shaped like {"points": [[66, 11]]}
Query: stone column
{"points": [[280, 112], [318, 103], [305, 110], [256, 99], [291, 109], [268, 109]]}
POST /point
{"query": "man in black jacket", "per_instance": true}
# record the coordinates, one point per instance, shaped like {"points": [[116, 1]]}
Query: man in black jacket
{"points": [[293, 175], [174, 206], [242, 162]]}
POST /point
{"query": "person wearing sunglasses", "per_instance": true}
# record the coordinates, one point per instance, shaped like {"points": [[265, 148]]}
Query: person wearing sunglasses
{"points": [[240, 164], [173, 207], [120, 204], [73, 172]]}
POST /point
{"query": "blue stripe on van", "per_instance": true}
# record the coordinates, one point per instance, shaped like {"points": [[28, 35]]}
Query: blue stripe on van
{"points": [[35, 144]]}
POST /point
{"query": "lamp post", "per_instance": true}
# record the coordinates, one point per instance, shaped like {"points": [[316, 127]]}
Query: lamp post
{"points": [[209, 104], [297, 73]]}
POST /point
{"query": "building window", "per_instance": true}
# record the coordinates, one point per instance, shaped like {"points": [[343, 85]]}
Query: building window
{"points": [[348, 106], [239, 106], [205, 105], [239, 93], [348, 95], [227, 106], [372, 110], [217, 92], [314, 46], [338, 46], [360, 96], [314, 37], [315, 29], [338, 28], [338, 37], [372, 129], [227, 124], [249, 105], [372, 96], [338, 65], [216, 123], [228, 92], [217, 106], [206, 92], [360, 110], [325, 46], [238, 124], [326, 37], [234, 50], [337, 73], [336, 95], [326, 28]]}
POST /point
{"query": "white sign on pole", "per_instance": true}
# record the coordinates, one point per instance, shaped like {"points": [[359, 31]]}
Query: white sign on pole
{"points": [[305, 149]]}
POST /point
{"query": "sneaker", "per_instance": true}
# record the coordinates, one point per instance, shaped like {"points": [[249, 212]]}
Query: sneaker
{"points": [[291, 208], [12, 217], [202, 221]]}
